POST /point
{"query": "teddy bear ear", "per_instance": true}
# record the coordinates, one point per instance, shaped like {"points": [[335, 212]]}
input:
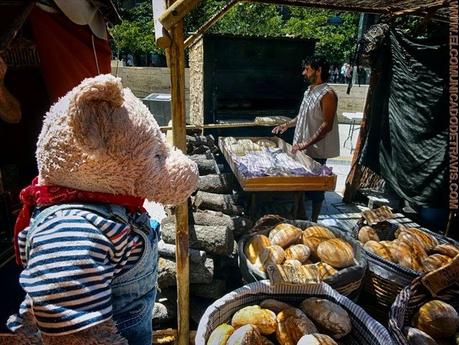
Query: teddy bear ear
{"points": [[91, 109]]}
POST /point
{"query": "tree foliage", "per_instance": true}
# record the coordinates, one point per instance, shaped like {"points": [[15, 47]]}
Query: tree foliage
{"points": [[336, 42]]}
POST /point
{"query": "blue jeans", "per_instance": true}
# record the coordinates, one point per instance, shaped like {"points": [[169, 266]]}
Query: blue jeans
{"points": [[316, 197], [134, 291]]}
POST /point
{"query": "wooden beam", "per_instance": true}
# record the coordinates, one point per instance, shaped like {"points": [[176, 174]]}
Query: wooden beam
{"points": [[355, 174], [432, 6], [176, 60], [176, 12], [162, 38], [210, 22]]}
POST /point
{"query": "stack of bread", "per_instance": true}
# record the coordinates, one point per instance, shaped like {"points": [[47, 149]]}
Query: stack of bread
{"points": [[411, 248], [315, 321], [240, 147], [299, 256], [435, 323]]}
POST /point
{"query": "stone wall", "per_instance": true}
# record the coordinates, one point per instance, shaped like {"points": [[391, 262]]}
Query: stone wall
{"points": [[145, 80]]}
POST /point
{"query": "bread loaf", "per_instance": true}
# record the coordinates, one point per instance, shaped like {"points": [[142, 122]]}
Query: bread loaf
{"points": [[312, 243], [336, 252], [272, 255], [263, 319], [428, 241], [220, 335], [413, 241], [437, 318], [318, 231], [447, 249], [367, 233], [245, 335], [417, 337], [274, 305], [254, 247], [292, 324], [434, 261], [378, 249], [298, 252], [328, 316], [325, 270], [316, 339], [311, 273], [285, 235], [293, 263]]}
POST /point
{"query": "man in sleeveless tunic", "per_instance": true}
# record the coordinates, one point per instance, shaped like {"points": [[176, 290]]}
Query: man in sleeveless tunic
{"points": [[316, 126]]}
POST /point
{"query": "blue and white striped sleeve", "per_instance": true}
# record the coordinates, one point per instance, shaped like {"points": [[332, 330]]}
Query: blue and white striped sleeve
{"points": [[68, 275]]}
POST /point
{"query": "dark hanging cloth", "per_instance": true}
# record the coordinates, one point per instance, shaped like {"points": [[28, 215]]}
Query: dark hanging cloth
{"points": [[407, 131]]}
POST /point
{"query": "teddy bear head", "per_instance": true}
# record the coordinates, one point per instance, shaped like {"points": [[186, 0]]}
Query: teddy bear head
{"points": [[101, 138]]}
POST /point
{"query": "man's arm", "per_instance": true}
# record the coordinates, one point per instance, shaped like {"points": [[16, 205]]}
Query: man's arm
{"points": [[282, 128], [329, 104]]}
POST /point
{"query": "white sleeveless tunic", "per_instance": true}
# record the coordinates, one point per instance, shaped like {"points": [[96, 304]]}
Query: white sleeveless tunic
{"points": [[308, 121]]}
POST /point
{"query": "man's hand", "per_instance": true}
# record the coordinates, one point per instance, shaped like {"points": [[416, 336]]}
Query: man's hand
{"points": [[280, 129], [298, 147]]}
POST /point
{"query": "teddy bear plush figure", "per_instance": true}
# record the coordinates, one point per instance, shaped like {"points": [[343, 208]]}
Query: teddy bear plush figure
{"points": [[88, 248]]}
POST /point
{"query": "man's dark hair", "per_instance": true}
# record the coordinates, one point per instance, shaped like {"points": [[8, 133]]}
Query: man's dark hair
{"points": [[318, 61]]}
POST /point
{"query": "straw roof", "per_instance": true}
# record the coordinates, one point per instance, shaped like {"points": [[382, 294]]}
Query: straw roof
{"points": [[369, 6]]}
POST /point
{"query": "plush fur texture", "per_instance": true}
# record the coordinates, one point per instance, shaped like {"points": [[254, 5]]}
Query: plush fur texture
{"points": [[101, 138]]}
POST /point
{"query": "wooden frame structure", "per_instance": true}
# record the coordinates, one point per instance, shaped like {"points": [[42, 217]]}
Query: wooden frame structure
{"points": [[168, 15]]}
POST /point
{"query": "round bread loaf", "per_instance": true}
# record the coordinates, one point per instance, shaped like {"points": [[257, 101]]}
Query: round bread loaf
{"points": [[254, 247], [220, 335], [328, 316], [336, 252], [298, 252], [263, 319], [318, 231], [316, 339], [285, 235], [325, 270], [312, 243], [437, 318], [367, 233], [245, 335], [272, 255], [447, 249], [292, 324]]}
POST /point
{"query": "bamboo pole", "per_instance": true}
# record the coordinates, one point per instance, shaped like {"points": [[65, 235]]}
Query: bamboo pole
{"points": [[176, 60], [210, 22], [175, 13]]}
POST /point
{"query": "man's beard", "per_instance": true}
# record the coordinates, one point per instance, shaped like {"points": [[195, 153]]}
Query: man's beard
{"points": [[312, 79]]}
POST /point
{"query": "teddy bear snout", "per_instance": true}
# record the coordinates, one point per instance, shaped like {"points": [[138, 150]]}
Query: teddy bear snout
{"points": [[177, 180]]}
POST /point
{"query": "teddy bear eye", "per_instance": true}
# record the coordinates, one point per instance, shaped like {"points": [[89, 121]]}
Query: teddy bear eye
{"points": [[159, 157]]}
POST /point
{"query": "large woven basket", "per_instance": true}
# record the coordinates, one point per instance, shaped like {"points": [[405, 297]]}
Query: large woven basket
{"points": [[384, 279], [347, 281], [411, 298], [365, 330]]}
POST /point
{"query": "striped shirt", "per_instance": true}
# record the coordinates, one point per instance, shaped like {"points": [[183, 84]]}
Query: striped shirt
{"points": [[73, 257]]}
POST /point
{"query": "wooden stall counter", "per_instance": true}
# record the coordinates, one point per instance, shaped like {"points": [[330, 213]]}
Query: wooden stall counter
{"points": [[278, 183]]}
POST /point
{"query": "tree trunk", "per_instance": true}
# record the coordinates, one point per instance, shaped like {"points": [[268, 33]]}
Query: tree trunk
{"points": [[239, 225], [216, 239], [167, 250], [199, 273], [205, 166], [221, 184], [217, 202]]}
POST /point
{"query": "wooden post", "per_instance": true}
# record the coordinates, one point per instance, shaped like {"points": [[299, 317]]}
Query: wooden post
{"points": [[176, 62], [174, 13], [162, 38], [354, 176]]}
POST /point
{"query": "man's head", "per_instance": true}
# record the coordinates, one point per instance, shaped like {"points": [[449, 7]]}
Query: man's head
{"points": [[316, 69]]}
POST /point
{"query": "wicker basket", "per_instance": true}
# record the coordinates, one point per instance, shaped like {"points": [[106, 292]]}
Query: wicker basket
{"points": [[347, 281], [365, 330], [413, 296], [384, 279]]}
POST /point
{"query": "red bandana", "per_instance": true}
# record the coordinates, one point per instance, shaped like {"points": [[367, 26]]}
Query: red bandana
{"points": [[35, 195]]}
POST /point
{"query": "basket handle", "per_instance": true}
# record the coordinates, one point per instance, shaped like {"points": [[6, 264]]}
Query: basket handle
{"points": [[269, 220], [442, 277]]}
